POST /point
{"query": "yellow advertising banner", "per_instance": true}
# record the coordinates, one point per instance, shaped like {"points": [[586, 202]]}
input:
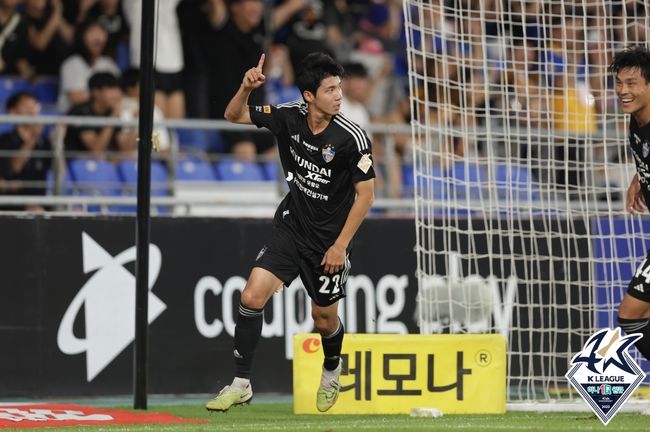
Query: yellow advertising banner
{"points": [[392, 374]]}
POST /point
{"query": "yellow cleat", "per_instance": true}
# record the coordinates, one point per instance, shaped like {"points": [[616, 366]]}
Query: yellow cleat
{"points": [[328, 391], [229, 396]]}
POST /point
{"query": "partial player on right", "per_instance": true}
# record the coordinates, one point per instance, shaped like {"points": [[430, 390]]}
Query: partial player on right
{"points": [[631, 69]]}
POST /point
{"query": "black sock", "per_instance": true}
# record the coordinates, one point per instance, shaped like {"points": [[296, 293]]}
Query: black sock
{"points": [[332, 345], [247, 333], [638, 326]]}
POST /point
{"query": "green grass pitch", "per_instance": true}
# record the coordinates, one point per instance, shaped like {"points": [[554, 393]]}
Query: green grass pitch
{"points": [[279, 417]]}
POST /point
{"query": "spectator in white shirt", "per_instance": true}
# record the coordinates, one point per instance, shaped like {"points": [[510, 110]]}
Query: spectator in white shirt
{"points": [[78, 68]]}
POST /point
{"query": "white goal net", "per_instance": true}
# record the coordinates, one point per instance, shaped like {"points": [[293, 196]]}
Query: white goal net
{"points": [[521, 169]]}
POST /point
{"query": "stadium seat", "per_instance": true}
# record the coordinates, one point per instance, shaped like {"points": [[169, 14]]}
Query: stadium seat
{"points": [[46, 90], [67, 186], [515, 181], [94, 177], [467, 180], [123, 55], [271, 170], [201, 139], [128, 172], [434, 185], [237, 170], [10, 85], [194, 169]]}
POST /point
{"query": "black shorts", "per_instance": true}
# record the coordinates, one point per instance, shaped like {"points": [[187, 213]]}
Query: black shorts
{"points": [[168, 82], [287, 260], [639, 286]]}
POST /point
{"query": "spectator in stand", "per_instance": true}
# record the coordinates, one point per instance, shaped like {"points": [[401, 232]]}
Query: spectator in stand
{"points": [[377, 43], [110, 15], [96, 141], [307, 32], [236, 38], [77, 69], [195, 18], [13, 41], [169, 54], [572, 103], [356, 93], [49, 35], [25, 171], [280, 83], [128, 137], [342, 20]]}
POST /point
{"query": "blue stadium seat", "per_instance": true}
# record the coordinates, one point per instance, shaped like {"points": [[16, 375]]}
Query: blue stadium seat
{"points": [[435, 185], [515, 181], [237, 170], [467, 180], [67, 186], [128, 172], [201, 139], [95, 177], [194, 169], [123, 55], [46, 90], [271, 170], [10, 85]]}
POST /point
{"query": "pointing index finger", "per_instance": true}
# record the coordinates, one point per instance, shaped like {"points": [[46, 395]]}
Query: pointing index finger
{"points": [[261, 62]]}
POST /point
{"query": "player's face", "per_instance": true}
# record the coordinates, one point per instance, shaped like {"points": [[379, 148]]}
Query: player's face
{"points": [[633, 91], [329, 96]]}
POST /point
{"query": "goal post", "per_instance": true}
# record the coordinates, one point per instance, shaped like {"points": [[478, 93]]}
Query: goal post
{"points": [[520, 173]]}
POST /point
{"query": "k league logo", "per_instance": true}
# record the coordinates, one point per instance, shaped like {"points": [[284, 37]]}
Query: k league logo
{"points": [[108, 298], [604, 373]]}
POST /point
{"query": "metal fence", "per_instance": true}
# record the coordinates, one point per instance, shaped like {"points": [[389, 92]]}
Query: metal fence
{"points": [[182, 197]]}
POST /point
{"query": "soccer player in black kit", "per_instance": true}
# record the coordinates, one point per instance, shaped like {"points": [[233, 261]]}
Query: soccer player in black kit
{"points": [[328, 165], [631, 69]]}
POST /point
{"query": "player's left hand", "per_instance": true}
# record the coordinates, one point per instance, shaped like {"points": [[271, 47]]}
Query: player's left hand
{"points": [[334, 259]]}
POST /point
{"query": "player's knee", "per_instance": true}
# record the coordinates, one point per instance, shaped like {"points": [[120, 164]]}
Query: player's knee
{"points": [[252, 299], [325, 324]]}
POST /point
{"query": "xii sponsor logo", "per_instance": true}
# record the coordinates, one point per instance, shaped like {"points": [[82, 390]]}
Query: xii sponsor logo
{"points": [[604, 373]]}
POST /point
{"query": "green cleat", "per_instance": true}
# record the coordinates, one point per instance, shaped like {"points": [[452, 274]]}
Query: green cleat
{"points": [[229, 396], [328, 391]]}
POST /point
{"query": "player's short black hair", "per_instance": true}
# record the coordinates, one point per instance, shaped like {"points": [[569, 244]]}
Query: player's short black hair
{"points": [[15, 99], [314, 69], [632, 57], [101, 80]]}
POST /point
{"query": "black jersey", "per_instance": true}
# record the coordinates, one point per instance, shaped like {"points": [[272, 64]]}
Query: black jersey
{"points": [[321, 171], [640, 143]]}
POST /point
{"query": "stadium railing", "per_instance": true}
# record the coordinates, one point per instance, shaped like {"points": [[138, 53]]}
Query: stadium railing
{"points": [[205, 196]]}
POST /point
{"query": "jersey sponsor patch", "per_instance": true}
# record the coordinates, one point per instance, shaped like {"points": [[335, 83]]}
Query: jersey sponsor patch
{"points": [[267, 109], [328, 153], [365, 163]]}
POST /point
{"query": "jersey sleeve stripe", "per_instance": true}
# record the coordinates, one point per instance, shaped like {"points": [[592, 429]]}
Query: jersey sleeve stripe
{"points": [[356, 132], [354, 126], [294, 104]]}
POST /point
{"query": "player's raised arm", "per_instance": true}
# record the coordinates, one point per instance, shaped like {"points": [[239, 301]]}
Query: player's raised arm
{"points": [[237, 109]]}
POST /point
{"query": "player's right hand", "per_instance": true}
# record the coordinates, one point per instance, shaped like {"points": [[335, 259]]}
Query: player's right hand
{"points": [[635, 201], [254, 78]]}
